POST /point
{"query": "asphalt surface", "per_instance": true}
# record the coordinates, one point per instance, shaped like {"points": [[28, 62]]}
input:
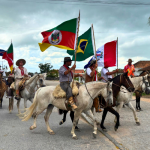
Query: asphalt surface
{"points": [[15, 134]]}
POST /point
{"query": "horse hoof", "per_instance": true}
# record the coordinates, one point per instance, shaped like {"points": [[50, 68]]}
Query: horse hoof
{"points": [[138, 123], [115, 128], [105, 130], [94, 135], [52, 132], [32, 127], [75, 137], [61, 122]]}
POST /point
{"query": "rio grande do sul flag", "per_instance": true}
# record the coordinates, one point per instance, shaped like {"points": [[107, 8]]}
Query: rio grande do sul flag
{"points": [[107, 54], [8, 55], [63, 36]]}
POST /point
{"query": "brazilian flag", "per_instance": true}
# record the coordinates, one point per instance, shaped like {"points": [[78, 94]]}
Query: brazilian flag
{"points": [[85, 46]]}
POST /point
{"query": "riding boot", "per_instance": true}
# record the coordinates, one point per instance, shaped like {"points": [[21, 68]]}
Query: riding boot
{"points": [[0, 103], [71, 102], [17, 97], [96, 105]]}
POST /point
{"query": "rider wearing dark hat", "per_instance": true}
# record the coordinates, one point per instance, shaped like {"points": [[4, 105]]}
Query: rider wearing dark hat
{"points": [[65, 77], [91, 75], [20, 72]]}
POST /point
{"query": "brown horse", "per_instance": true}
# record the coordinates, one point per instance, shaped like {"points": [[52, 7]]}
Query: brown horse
{"points": [[2, 89], [139, 92]]}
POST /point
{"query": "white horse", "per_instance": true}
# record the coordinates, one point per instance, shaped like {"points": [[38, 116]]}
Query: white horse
{"points": [[87, 92], [28, 93], [125, 97]]}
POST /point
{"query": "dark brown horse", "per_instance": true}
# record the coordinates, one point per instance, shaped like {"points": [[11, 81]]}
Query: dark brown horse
{"points": [[139, 92], [2, 89], [118, 81]]}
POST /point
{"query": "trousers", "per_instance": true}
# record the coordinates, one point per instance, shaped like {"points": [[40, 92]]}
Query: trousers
{"points": [[66, 87]]}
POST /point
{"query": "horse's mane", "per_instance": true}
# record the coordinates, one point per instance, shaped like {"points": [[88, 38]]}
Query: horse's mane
{"points": [[115, 78], [31, 79], [93, 82]]}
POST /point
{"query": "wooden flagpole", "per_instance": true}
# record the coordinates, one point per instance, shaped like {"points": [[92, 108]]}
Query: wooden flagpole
{"points": [[94, 48], [117, 54], [76, 45]]}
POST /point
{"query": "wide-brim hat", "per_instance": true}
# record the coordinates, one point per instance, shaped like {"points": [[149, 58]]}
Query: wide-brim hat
{"points": [[130, 60], [92, 62], [18, 61], [66, 59]]}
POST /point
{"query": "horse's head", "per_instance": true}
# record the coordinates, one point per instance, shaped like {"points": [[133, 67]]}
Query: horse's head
{"points": [[109, 94], [126, 82], [145, 84], [41, 82]]}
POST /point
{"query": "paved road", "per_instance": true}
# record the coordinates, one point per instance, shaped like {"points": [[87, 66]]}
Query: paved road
{"points": [[15, 134], [130, 135]]}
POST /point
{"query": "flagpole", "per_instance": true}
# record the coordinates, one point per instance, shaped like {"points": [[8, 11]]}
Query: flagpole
{"points": [[76, 45], [117, 54], [95, 48]]}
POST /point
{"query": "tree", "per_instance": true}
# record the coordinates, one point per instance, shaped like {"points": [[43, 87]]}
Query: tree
{"points": [[53, 73], [45, 68]]}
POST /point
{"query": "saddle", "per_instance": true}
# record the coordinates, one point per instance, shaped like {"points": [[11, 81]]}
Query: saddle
{"points": [[21, 84], [60, 93]]}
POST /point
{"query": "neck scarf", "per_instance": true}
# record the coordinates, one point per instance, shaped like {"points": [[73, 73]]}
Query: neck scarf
{"points": [[22, 70], [67, 69]]}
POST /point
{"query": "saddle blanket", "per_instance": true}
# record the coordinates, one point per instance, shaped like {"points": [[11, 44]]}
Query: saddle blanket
{"points": [[60, 93]]}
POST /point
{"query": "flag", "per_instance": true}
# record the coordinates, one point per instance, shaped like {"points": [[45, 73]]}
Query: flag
{"points": [[106, 55], [2, 52], [63, 36], [8, 55], [85, 46]]}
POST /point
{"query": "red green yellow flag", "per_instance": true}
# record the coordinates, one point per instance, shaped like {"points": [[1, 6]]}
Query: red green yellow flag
{"points": [[8, 55], [63, 36]]}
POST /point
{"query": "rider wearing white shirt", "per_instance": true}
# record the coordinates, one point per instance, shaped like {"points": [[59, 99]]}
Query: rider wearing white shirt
{"points": [[106, 74]]}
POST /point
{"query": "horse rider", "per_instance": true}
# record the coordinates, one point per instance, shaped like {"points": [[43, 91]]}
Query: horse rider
{"points": [[106, 74], [129, 68], [91, 75], [20, 72], [65, 77]]}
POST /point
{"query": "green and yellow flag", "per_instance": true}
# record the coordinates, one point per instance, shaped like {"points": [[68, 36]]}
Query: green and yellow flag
{"points": [[85, 46]]}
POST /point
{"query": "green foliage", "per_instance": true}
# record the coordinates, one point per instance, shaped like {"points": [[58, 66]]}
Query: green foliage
{"points": [[45, 68], [30, 73], [53, 73]]}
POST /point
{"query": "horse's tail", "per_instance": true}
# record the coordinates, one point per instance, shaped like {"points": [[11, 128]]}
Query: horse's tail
{"points": [[60, 111], [29, 111]]}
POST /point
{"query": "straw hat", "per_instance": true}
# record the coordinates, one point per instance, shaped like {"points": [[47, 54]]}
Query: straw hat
{"points": [[18, 61], [130, 60]]}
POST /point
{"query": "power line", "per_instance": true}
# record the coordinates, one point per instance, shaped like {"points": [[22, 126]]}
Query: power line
{"points": [[83, 2]]}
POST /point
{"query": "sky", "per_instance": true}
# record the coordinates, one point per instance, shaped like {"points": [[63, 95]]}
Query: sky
{"points": [[22, 21]]}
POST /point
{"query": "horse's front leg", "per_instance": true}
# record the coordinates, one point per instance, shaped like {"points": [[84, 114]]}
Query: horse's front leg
{"points": [[110, 109], [134, 113], [77, 114], [90, 114], [46, 117], [18, 105], [118, 108]]}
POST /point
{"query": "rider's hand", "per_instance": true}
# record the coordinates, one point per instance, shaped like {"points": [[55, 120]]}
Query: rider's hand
{"points": [[25, 75], [73, 67]]}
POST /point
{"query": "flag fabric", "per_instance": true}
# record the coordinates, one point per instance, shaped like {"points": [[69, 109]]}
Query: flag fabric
{"points": [[8, 55], [2, 52], [106, 55], [85, 46], [63, 36]]}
